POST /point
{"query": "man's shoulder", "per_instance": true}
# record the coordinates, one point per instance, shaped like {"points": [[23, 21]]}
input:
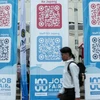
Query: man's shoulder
{"points": [[73, 65]]}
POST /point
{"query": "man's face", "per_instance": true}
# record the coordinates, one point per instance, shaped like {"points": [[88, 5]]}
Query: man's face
{"points": [[64, 56]]}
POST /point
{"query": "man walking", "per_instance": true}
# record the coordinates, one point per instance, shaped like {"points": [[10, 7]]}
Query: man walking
{"points": [[70, 89]]}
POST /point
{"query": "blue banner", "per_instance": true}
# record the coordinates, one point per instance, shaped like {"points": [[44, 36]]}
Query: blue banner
{"points": [[91, 23], [91, 32], [45, 86], [23, 52], [8, 48]]}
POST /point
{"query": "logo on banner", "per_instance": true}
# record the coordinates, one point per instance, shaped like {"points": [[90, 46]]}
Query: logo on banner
{"points": [[23, 41], [41, 84], [95, 85], [23, 33], [5, 86], [44, 86]]}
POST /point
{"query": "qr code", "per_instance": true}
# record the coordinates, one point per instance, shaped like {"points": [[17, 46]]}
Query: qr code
{"points": [[94, 14], [49, 16], [48, 48], [5, 49], [5, 15], [95, 48]]}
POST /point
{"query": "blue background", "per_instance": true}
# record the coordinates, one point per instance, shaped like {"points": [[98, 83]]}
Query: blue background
{"points": [[12, 32], [87, 33], [51, 95]]}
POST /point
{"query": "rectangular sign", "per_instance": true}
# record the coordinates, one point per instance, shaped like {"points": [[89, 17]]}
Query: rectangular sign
{"points": [[49, 33], [8, 49], [91, 24], [46, 86], [93, 87]]}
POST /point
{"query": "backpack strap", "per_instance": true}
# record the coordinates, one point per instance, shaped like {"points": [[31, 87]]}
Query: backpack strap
{"points": [[69, 68]]}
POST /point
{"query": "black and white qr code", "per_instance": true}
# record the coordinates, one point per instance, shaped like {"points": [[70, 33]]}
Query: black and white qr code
{"points": [[95, 48], [5, 49]]}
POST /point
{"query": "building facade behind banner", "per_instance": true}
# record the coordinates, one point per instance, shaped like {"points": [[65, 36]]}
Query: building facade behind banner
{"points": [[91, 17], [8, 49], [49, 33]]}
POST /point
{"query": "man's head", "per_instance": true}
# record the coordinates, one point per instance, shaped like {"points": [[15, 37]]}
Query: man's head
{"points": [[66, 53]]}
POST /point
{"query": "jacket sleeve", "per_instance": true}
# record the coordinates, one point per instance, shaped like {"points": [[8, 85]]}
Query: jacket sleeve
{"points": [[74, 69]]}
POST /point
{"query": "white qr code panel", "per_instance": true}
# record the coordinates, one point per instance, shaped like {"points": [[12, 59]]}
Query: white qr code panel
{"points": [[5, 49], [94, 14], [95, 48], [5, 15]]}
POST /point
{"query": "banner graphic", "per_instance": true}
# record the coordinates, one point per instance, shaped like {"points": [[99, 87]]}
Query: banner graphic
{"points": [[23, 52], [8, 49], [49, 33], [91, 24]]}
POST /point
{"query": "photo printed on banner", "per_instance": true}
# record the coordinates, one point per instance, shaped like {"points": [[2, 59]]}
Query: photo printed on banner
{"points": [[49, 16], [48, 48], [94, 14], [5, 15], [95, 48], [5, 49]]}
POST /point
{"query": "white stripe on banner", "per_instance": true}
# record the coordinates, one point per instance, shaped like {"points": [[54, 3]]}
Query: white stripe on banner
{"points": [[23, 52]]}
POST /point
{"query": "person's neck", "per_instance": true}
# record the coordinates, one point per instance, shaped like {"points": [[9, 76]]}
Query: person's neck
{"points": [[69, 58]]}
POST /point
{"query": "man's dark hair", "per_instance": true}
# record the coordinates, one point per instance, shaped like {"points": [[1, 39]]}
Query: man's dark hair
{"points": [[73, 56], [66, 50]]}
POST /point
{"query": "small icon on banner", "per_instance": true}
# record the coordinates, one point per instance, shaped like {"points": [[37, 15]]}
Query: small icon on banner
{"points": [[23, 33]]}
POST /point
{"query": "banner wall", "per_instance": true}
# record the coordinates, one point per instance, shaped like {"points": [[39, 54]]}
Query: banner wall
{"points": [[91, 21], [8, 49], [49, 33]]}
